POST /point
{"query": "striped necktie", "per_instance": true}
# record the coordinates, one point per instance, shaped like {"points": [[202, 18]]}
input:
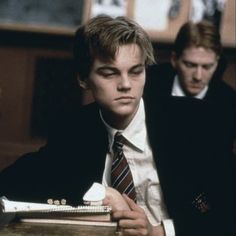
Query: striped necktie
{"points": [[121, 176]]}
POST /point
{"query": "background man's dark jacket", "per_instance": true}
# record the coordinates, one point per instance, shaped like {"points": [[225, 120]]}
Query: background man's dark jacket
{"points": [[220, 96]]}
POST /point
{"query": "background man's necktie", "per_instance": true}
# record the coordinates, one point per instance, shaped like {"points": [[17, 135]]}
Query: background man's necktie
{"points": [[121, 176]]}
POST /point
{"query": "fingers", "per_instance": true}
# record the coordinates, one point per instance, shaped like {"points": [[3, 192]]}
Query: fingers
{"points": [[131, 232], [133, 221], [131, 218], [115, 200], [105, 202], [133, 212], [134, 227], [126, 214], [132, 205]]}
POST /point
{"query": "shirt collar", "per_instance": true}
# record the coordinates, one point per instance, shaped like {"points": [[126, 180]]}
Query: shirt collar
{"points": [[178, 91], [134, 133]]}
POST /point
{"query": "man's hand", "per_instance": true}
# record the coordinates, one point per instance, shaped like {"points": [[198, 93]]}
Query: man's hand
{"points": [[135, 222], [114, 199]]}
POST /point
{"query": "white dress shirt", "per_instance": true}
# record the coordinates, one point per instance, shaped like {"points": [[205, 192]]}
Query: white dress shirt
{"points": [[140, 159], [178, 91]]}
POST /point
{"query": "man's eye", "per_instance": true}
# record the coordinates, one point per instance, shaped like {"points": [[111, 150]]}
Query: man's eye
{"points": [[107, 74], [207, 67], [189, 65], [136, 72]]}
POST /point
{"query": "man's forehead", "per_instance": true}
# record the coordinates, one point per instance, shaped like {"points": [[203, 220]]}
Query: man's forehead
{"points": [[128, 54], [193, 54], [198, 50]]}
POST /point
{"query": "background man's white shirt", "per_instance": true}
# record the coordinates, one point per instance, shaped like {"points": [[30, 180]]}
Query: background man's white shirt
{"points": [[178, 91]]}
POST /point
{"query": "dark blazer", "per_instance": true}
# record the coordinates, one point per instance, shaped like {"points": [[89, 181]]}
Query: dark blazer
{"points": [[219, 96], [196, 179]]}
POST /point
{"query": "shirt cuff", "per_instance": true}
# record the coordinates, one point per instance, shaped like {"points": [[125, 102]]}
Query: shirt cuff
{"points": [[169, 227]]}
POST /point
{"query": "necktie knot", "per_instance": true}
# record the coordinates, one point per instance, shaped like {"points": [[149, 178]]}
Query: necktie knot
{"points": [[118, 142]]}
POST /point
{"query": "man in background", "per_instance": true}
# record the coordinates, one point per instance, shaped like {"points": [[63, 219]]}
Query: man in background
{"points": [[196, 71]]}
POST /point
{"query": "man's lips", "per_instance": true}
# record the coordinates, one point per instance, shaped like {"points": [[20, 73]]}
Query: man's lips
{"points": [[196, 85], [124, 98]]}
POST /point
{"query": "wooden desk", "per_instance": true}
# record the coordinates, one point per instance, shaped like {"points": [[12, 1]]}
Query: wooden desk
{"points": [[37, 229]]}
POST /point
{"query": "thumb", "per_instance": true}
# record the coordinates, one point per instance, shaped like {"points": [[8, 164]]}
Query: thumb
{"points": [[132, 205]]}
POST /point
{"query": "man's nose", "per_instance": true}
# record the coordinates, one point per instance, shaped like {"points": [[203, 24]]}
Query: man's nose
{"points": [[198, 73], [124, 82]]}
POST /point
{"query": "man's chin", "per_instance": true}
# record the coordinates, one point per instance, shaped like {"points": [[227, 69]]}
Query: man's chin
{"points": [[125, 111], [194, 91]]}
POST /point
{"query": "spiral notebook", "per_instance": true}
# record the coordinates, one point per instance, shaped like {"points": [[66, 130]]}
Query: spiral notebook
{"points": [[61, 214]]}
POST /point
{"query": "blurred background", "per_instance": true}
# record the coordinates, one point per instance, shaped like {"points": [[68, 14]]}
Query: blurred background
{"points": [[36, 39]]}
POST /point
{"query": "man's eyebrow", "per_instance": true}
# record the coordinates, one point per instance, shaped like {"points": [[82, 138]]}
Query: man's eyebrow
{"points": [[106, 67], [193, 63], [187, 61], [113, 68], [137, 66]]}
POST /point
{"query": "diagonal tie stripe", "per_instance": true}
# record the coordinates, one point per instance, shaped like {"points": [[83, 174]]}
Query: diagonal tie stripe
{"points": [[121, 176]]}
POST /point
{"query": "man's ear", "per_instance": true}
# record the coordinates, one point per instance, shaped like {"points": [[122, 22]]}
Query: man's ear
{"points": [[173, 59], [82, 83]]}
